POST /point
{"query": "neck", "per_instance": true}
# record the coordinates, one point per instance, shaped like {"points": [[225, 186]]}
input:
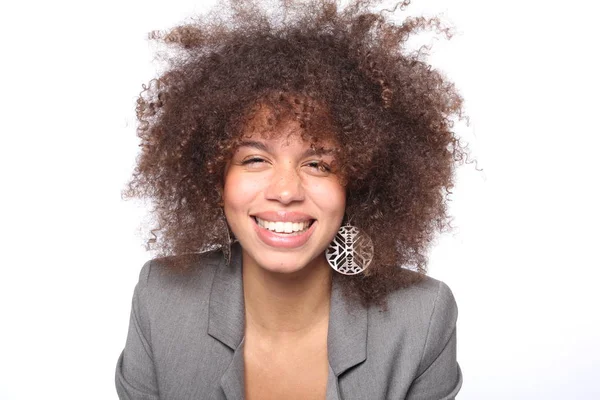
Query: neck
{"points": [[291, 304]]}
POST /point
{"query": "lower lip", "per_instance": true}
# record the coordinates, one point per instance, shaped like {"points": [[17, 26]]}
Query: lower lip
{"points": [[283, 240]]}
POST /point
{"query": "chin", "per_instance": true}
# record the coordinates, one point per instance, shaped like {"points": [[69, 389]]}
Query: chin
{"points": [[284, 263], [282, 268]]}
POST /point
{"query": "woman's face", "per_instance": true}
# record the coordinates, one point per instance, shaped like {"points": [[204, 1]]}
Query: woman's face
{"points": [[282, 201]]}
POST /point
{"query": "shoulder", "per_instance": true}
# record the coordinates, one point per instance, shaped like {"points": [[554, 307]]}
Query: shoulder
{"points": [[410, 345], [160, 287], [169, 329], [158, 273], [418, 322], [425, 299]]}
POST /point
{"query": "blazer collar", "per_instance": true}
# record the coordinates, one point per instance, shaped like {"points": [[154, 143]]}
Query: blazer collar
{"points": [[348, 323], [226, 304], [347, 334]]}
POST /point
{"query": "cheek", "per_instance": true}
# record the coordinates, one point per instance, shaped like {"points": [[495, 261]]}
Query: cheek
{"points": [[239, 191], [331, 198]]}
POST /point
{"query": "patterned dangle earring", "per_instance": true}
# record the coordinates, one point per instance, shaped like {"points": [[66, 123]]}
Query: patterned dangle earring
{"points": [[351, 251]]}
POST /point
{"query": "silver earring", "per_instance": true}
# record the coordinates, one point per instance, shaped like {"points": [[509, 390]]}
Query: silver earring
{"points": [[351, 251]]}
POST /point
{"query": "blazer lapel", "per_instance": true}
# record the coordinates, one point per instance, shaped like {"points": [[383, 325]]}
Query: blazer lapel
{"points": [[226, 307], [232, 381], [347, 335], [346, 338], [226, 320], [332, 386]]}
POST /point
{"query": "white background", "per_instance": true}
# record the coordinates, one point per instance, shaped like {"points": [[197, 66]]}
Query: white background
{"points": [[522, 261]]}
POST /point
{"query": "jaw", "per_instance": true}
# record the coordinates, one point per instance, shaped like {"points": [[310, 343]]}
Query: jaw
{"points": [[283, 266]]}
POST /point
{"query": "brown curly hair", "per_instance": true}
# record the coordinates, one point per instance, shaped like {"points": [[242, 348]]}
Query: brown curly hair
{"points": [[392, 115]]}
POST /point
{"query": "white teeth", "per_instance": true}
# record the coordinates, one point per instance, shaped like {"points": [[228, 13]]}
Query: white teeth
{"points": [[278, 226], [283, 227], [287, 227]]}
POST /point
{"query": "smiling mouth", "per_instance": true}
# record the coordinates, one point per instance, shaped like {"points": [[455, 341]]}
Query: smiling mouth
{"points": [[284, 228]]}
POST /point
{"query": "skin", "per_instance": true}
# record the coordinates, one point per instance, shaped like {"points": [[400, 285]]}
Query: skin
{"points": [[393, 112], [286, 286], [282, 175]]}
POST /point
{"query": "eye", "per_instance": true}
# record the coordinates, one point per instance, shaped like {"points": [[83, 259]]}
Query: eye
{"points": [[254, 163], [319, 167], [252, 160]]}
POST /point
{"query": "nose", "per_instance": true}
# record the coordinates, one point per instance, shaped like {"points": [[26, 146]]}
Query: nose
{"points": [[285, 185]]}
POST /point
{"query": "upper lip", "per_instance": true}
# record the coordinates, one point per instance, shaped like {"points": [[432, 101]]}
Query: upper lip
{"points": [[283, 216]]}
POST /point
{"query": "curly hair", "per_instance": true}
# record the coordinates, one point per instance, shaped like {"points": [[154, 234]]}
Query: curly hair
{"points": [[392, 115]]}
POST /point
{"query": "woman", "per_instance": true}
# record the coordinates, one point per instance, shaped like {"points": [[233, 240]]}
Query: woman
{"points": [[298, 160]]}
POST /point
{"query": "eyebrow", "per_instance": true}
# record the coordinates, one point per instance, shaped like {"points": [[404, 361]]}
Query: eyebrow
{"points": [[253, 143], [262, 146]]}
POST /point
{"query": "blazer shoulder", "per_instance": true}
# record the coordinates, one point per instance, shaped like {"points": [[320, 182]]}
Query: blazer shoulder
{"points": [[159, 284], [442, 305], [428, 292], [422, 311], [159, 272]]}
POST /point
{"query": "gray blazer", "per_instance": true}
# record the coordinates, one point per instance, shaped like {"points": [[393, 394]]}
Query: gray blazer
{"points": [[186, 338]]}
